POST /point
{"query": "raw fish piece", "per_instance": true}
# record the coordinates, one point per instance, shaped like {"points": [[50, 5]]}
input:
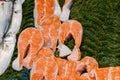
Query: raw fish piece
{"points": [[107, 73], [8, 44], [89, 64], [43, 9], [49, 28], [29, 43], [45, 68], [74, 28], [6, 8], [67, 70]]}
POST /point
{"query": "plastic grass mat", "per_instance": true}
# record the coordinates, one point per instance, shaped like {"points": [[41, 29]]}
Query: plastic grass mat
{"points": [[101, 32]]}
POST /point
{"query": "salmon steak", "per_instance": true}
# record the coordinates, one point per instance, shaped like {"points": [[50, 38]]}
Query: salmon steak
{"points": [[73, 28], [49, 29], [29, 43], [108, 73], [45, 68], [89, 65], [67, 70], [44, 9]]}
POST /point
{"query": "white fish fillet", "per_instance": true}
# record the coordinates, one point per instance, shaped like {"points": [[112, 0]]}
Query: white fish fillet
{"points": [[5, 16], [8, 44]]}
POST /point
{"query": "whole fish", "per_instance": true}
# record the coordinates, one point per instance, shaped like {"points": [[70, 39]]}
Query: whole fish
{"points": [[6, 9], [8, 44]]}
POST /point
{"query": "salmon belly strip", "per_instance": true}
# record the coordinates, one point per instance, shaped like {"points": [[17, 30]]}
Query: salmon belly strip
{"points": [[74, 28], [45, 68], [29, 43], [43, 9], [49, 30], [108, 73]]}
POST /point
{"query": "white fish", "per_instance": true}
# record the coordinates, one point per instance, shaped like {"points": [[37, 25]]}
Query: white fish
{"points": [[5, 16], [8, 44]]}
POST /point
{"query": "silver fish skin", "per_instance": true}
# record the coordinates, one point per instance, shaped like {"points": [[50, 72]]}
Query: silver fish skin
{"points": [[6, 9], [8, 44]]}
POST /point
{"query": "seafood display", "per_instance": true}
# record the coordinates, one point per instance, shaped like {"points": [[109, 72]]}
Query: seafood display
{"points": [[8, 43], [37, 45], [67, 29]]}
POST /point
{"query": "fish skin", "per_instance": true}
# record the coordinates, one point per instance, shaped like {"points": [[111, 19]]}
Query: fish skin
{"points": [[66, 10], [5, 18], [57, 9], [8, 44]]}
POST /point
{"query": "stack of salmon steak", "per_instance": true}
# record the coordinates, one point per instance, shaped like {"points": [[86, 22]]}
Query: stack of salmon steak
{"points": [[36, 47]]}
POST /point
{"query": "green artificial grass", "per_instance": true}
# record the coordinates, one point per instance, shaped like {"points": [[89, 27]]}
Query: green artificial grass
{"points": [[101, 32]]}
